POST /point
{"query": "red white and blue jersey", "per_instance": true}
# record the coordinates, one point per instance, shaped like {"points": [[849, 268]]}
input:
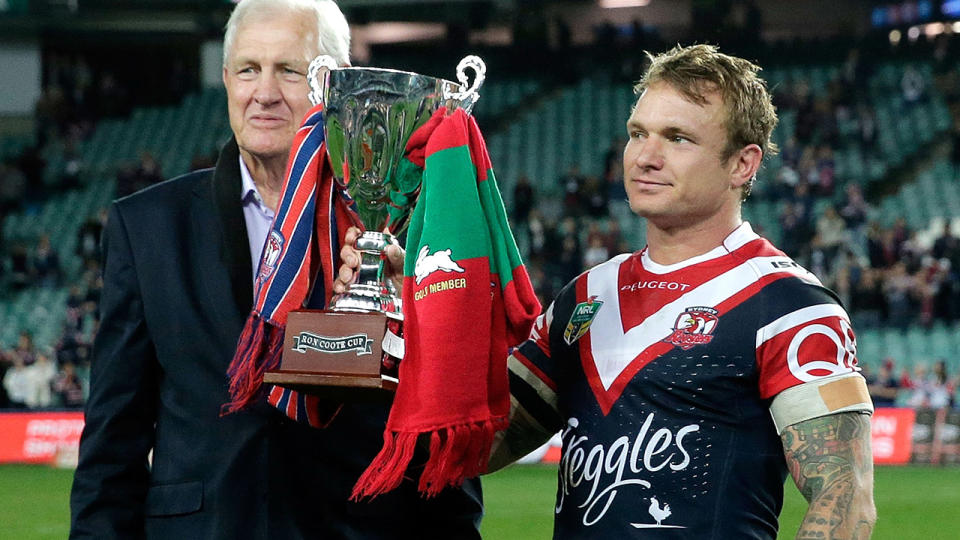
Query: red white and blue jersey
{"points": [[660, 379]]}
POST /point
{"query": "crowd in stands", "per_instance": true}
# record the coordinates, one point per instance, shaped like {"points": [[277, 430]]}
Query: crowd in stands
{"points": [[41, 379], [919, 388], [885, 276]]}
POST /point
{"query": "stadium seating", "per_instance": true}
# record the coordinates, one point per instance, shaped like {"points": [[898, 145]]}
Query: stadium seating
{"points": [[539, 131]]}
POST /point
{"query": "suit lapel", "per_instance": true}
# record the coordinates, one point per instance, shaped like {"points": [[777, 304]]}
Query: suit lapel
{"points": [[234, 248]]}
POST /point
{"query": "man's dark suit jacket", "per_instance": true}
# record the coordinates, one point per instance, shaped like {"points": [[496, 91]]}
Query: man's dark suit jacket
{"points": [[177, 289]]}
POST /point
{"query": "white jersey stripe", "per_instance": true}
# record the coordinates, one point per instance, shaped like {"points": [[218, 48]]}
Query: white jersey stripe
{"points": [[798, 317], [613, 349]]}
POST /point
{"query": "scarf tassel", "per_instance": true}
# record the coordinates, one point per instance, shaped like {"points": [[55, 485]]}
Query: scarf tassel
{"points": [[456, 452], [246, 370]]}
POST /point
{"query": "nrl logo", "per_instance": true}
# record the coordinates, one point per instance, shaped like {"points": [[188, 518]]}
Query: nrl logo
{"points": [[428, 264], [306, 340], [271, 252], [581, 319], [693, 327]]}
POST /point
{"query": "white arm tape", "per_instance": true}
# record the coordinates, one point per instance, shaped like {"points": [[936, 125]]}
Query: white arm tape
{"points": [[829, 395]]}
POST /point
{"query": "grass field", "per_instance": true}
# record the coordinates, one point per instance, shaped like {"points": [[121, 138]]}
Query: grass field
{"points": [[915, 502]]}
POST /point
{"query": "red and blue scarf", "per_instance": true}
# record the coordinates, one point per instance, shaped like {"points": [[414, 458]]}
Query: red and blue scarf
{"points": [[300, 254]]}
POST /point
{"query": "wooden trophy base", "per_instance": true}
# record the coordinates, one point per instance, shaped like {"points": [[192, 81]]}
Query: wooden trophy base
{"points": [[334, 355]]}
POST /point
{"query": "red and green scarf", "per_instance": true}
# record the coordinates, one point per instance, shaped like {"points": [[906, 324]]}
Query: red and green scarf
{"points": [[467, 299]]}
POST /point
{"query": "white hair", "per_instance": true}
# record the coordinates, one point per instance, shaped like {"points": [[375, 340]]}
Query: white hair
{"points": [[332, 30]]}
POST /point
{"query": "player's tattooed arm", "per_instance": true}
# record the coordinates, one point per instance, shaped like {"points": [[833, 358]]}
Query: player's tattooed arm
{"points": [[831, 462]]}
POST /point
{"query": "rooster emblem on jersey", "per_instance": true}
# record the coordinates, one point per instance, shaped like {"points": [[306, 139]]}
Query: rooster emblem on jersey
{"points": [[693, 327], [658, 514]]}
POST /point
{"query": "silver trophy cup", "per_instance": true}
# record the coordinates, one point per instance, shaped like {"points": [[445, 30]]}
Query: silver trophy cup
{"points": [[369, 116], [347, 353]]}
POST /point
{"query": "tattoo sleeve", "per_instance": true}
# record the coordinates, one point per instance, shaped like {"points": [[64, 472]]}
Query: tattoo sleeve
{"points": [[831, 462]]}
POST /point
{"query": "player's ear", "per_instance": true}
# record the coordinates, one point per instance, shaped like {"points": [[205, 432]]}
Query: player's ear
{"points": [[743, 165]]}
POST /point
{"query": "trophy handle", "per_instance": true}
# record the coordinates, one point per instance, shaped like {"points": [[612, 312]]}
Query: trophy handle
{"points": [[470, 94], [324, 61]]}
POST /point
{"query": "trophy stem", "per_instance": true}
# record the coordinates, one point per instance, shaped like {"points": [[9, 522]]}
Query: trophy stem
{"points": [[370, 291]]}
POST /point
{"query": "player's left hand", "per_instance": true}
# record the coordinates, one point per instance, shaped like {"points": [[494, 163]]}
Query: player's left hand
{"points": [[351, 261]]}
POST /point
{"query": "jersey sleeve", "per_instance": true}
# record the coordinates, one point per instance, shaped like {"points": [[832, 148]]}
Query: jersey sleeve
{"points": [[807, 355], [806, 336]]}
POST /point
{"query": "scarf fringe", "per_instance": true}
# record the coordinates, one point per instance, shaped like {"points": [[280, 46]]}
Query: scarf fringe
{"points": [[246, 369], [385, 472], [456, 453]]}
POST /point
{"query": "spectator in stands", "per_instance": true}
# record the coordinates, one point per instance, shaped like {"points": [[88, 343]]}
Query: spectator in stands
{"points": [[25, 351], [596, 251], [795, 228], [832, 231], [72, 348], [180, 265], [68, 387], [594, 197], [568, 262], [946, 246], [88, 237], [826, 164], [39, 382], [942, 388], [523, 200], [854, 210], [537, 226], [867, 126], [572, 182], [613, 239], [21, 273], [883, 386], [613, 160], [867, 299], [16, 382], [46, 263], [75, 309], [72, 166], [900, 292]]}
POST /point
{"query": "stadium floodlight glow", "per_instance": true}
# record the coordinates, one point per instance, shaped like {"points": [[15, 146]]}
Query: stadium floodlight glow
{"points": [[956, 27], [895, 37], [913, 33], [933, 29], [610, 4]]}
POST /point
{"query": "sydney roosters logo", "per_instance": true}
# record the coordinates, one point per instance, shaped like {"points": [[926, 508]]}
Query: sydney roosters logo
{"points": [[271, 252], [693, 327]]}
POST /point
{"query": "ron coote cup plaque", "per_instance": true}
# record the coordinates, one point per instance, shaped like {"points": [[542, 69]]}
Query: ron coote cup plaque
{"points": [[347, 352]]}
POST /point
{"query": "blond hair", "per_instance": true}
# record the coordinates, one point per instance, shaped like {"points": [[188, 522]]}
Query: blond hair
{"points": [[696, 70]]}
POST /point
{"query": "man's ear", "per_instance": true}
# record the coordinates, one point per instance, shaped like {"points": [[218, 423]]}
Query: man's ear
{"points": [[744, 164]]}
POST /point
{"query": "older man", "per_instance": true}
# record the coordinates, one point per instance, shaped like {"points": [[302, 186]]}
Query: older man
{"points": [[178, 284]]}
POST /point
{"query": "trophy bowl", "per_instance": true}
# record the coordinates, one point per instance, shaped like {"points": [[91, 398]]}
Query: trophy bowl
{"points": [[369, 116]]}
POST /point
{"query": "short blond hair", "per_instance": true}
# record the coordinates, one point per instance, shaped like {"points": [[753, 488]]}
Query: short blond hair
{"points": [[696, 70]]}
